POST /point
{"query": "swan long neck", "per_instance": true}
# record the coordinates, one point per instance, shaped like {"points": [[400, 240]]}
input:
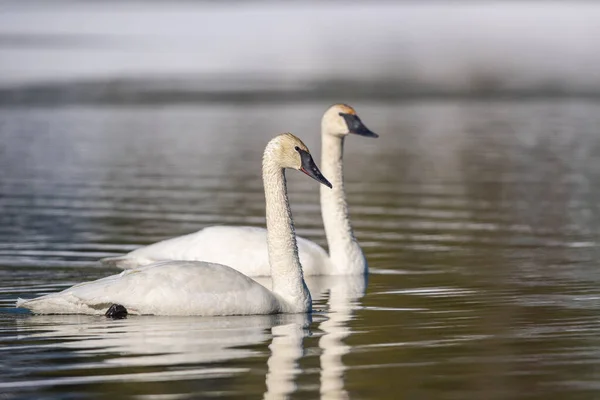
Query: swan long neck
{"points": [[286, 271], [344, 250]]}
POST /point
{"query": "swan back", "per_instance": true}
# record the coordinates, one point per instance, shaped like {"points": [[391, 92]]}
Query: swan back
{"points": [[165, 288]]}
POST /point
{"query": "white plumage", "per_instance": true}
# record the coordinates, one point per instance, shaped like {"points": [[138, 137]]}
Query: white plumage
{"points": [[165, 288], [245, 248], [246, 251], [205, 288]]}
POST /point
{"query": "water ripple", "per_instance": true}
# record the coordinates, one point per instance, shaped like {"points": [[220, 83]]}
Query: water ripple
{"points": [[479, 221]]}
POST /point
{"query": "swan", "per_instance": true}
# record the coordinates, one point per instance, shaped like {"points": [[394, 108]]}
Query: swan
{"points": [[244, 248], [206, 288]]}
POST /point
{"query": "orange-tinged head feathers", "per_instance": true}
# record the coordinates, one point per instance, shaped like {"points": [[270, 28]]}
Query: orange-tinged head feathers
{"points": [[346, 109], [340, 120]]}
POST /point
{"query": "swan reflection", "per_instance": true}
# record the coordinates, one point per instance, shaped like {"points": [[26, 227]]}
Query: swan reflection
{"points": [[286, 349], [342, 294], [150, 341], [175, 341]]}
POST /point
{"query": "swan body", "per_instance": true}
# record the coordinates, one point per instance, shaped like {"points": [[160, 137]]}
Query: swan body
{"points": [[245, 248], [247, 251], [166, 288], [205, 288]]}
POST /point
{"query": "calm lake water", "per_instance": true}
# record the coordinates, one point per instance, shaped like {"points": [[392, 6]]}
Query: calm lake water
{"points": [[480, 221]]}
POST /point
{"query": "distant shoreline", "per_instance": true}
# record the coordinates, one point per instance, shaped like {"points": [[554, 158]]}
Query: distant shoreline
{"points": [[165, 91], [284, 50]]}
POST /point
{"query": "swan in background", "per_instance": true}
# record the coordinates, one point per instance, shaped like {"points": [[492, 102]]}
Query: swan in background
{"points": [[204, 288], [245, 248]]}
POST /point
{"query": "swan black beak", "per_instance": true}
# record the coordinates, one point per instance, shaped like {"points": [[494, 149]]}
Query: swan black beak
{"points": [[356, 126], [310, 168]]}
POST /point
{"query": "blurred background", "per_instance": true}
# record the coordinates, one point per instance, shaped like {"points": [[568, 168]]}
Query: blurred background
{"points": [[478, 208], [153, 51]]}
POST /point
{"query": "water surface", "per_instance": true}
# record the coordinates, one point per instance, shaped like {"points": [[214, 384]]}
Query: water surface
{"points": [[479, 219]]}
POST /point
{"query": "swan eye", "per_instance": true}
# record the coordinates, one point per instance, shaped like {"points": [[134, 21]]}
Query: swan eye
{"points": [[296, 148]]}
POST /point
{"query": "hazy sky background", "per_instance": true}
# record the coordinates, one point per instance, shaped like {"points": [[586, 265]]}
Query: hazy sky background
{"points": [[451, 45]]}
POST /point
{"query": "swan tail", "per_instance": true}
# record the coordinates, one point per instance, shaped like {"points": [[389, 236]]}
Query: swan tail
{"points": [[58, 303], [123, 262]]}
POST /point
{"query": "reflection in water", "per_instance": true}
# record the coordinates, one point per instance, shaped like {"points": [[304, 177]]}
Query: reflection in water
{"points": [[286, 349], [152, 341], [344, 292], [480, 221]]}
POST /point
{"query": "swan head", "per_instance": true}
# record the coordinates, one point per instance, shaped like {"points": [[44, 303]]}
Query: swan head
{"points": [[341, 119], [290, 152]]}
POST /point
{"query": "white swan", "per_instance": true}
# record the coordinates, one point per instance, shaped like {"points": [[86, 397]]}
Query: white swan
{"points": [[245, 248], [204, 288]]}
